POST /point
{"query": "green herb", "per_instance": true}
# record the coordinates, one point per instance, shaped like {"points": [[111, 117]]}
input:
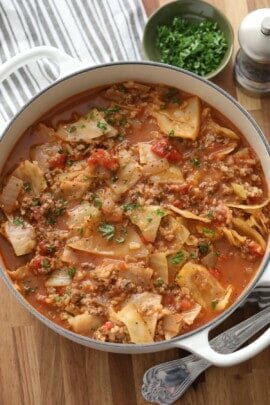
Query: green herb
{"points": [[172, 96], [160, 213], [71, 271], [82, 126], [217, 253], [27, 187], [110, 111], [210, 214], [178, 258], [69, 162], [121, 88], [36, 202], [195, 46], [195, 162], [171, 133], [158, 282], [107, 230], [51, 249], [203, 247], [102, 125], [129, 207], [193, 255], [18, 221], [45, 264], [149, 218], [123, 121], [86, 178], [208, 232], [72, 129], [119, 240], [28, 289], [214, 303], [52, 215], [97, 202]]}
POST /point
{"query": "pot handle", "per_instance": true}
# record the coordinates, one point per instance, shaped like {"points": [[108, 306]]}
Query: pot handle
{"points": [[199, 345], [67, 64]]}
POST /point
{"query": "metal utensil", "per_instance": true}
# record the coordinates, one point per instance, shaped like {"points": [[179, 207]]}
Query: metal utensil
{"points": [[165, 383]]}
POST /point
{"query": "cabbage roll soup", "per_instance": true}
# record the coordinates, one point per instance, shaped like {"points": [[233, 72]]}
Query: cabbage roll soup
{"points": [[133, 213]]}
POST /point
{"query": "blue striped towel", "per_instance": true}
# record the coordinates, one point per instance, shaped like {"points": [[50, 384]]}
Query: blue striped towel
{"points": [[94, 31]]}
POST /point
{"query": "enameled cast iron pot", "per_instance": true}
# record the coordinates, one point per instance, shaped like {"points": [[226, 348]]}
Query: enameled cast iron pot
{"points": [[76, 77]]}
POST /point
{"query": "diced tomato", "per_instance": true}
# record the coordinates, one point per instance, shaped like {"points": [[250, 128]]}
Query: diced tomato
{"points": [[163, 148], [185, 304], [43, 248], [174, 156], [61, 290], [178, 204], [215, 272], [254, 248], [184, 188], [108, 325], [35, 264], [254, 199], [58, 161], [105, 159]]}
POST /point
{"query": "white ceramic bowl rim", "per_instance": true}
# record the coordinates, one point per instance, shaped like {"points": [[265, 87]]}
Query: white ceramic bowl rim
{"points": [[99, 344]]}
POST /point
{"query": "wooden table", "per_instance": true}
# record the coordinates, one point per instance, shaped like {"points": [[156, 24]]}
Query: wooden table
{"points": [[38, 367]]}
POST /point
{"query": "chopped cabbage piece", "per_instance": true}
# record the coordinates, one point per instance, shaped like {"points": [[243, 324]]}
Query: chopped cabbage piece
{"points": [[83, 215], [86, 128], [42, 154], [211, 127], [137, 328], [128, 174], [182, 121], [31, 173], [233, 237], [204, 288], [10, 194], [147, 219], [171, 174], [239, 190], [98, 245], [84, 323], [173, 323], [249, 208], [188, 214], [158, 262], [59, 278], [20, 273], [242, 226], [148, 305], [138, 274], [146, 154], [21, 236]]}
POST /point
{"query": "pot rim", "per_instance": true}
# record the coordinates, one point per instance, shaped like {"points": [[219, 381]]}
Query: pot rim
{"points": [[85, 340]]}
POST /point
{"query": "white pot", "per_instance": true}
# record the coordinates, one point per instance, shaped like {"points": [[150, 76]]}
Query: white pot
{"points": [[75, 78]]}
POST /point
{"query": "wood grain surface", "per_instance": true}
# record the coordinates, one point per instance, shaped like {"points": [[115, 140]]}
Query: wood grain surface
{"points": [[38, 367]]}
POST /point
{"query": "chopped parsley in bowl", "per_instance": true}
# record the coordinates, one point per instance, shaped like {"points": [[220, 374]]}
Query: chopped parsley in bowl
{"points": [[189, 34]]}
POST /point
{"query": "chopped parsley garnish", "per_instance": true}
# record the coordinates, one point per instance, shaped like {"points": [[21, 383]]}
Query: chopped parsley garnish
{"points": [[107, 230], [160, 213], [203, 247], [121, 88], [71, 271], [210, 214], [28, 289], [110, 111], [119, 240], [129, 207], [72, 129], [172, 96], [193, 255], [158, 282], [27, 187], [178, 258], [45, 264], [171, 133], [69, 162], [52, 215], [197, 46], [86, 178], [195, 162], [149, 218], [18, 221], [208, 232], [51, 249], [36, 202], [102, 125], [97, 202]]}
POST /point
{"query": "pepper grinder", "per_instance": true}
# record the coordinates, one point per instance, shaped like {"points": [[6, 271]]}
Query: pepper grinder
{"points": [[252, 65]]}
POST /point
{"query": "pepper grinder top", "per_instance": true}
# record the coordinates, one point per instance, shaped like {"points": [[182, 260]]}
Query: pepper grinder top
{"points": [[252, 66]]}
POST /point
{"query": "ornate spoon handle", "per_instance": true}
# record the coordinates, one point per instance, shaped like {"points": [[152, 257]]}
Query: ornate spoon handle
{"points": [[166, 382]]}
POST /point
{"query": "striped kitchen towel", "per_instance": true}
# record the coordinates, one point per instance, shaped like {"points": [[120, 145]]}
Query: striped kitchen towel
{"points": [[96, 31]]}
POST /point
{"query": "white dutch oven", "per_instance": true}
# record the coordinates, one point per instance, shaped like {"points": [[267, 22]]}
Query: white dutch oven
{"points": [[74, 78]]}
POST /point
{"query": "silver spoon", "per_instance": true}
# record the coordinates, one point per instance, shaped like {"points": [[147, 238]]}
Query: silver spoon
{"points": [[165, 383]]}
